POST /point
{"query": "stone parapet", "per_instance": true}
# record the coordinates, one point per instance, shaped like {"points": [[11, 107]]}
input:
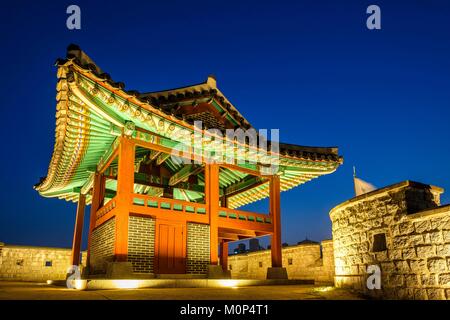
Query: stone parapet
{"points": [[29, 263], [304, 261], [402, 230]]}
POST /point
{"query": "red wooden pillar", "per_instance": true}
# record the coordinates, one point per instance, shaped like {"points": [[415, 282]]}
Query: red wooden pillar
{"points": [[224, 255], [275, 248], [78, 230], [212, 203], [95, 205], [125, 186]]}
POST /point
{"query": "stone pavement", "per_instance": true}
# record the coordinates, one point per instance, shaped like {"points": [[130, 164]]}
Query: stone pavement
{"points": [[42, 291]]}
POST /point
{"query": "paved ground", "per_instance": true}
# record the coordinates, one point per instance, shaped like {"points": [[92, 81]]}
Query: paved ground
{"points": [[42, 291]]}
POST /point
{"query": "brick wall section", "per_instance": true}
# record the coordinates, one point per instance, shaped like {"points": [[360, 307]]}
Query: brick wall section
{"points": [[102, 247], [197, 257], [303, 261], [141, 243], [415, 264], [27, 263]]}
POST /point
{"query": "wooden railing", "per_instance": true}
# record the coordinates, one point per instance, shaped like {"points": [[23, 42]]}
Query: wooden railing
{"points": [[227, 213], [168, 204], [111, 204], [170, 208]]}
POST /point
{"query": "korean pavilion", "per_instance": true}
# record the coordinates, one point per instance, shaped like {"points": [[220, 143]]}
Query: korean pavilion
{"points": [[150, 213]]}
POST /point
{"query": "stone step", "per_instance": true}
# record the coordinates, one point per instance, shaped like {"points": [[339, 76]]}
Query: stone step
{"points": [[105, 284]]}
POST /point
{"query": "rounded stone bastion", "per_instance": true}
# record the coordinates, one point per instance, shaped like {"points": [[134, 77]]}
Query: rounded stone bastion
{"points": [[400, 233]]}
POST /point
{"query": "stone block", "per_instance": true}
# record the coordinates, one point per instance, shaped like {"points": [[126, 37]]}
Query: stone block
{"points": [[433, 237], [436, 294], [396, 254], [409, 253], [402, 266], [446, 235], [418, 266], [440, 223], [444, 279], [119, 270], [406, 228], [395, 280], [420, 294], [436, 265], [443, 250], [411, 280], [425, 251], [276, 273], [422, 226], [216, 272], [400, 242], [428, 280], [388, 267]]}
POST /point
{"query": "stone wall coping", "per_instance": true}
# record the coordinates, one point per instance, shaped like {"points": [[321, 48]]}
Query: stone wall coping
{"points": [[17, 246], [442, 210], [283, 248], [382, 191]]}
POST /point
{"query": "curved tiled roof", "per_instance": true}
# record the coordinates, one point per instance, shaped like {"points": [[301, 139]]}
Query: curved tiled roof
{"points": [[92, 109]]}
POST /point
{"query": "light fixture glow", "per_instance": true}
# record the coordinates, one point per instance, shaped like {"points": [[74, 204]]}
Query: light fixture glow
{"points": [[324, 289], [126, 284], [229, 283]]}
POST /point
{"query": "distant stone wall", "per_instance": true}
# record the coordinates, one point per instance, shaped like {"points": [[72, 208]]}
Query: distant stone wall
{"points": [[26, 263], [402, 230], [197, 256], [141, 243], [305, 261], [102, 247]]}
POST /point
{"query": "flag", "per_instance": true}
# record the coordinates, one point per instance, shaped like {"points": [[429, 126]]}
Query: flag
{"points": [[361, 186]]}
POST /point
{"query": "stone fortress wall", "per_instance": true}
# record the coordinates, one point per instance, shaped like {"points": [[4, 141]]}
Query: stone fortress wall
{"points": [[27, 263], [403, 230], [304, 261]]}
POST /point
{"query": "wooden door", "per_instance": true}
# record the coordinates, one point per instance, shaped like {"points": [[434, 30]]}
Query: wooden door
{"points": [[170, 256]]}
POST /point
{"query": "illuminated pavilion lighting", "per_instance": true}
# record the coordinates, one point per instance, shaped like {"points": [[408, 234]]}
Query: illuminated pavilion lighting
{"points": [[126, 284], [229, 283], [114, 121], [80, 284]]}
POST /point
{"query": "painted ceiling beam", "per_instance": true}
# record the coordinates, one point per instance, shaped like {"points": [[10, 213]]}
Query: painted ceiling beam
{"points": [[162, 158], [184, 173], [243, 185], [155, 181]]}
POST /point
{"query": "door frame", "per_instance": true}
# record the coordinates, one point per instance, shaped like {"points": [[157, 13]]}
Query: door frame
{"points": [[183, 224]]}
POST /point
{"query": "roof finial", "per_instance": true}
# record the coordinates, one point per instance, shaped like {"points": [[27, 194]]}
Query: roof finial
{"points": [[354, 172], [212, 81]]}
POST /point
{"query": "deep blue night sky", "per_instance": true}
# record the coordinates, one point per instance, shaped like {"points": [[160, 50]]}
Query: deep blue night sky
{"points": [[310, 68]]}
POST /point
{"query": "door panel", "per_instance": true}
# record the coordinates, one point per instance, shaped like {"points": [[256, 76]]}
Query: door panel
{"points": [[171, 255]]}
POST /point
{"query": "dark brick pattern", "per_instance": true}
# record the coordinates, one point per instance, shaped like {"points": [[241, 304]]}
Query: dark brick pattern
{"points": [[197, 248], [141, 243], [102, 246]]}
